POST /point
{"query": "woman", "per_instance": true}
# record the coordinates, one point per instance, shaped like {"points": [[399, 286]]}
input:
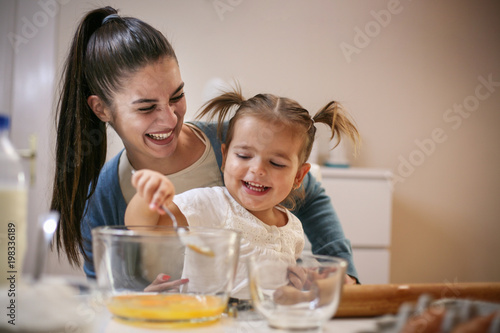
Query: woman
{"points": [[123, 72]]}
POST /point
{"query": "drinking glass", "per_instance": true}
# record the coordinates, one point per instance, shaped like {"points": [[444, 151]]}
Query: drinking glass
{"points": [[301, 295]]}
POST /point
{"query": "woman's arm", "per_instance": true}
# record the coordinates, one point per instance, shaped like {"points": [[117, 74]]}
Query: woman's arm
{"points": [[105, 207], [321, 224]]}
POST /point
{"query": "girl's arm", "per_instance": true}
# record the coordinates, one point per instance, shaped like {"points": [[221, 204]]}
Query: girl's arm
{"points": [[154, 190], [138, 213]]}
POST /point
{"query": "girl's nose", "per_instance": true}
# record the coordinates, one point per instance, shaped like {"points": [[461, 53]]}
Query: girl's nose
{"points": [[258, 168]]}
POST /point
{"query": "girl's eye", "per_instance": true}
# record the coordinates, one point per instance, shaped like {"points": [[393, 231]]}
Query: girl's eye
{"points": [[176, 98], [277, 165], [148, 108], [242, 156]]}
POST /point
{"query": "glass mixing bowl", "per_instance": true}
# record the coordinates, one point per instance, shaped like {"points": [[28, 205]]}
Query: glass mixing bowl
{"points": [[152, 276]]}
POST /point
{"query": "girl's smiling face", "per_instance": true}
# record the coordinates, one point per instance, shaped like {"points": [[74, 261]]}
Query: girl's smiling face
{"points": [[148, 111], [261, 164]]}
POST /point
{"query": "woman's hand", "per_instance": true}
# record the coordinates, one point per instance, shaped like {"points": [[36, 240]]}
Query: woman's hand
{"points": [[154, 188], [163, 283]]}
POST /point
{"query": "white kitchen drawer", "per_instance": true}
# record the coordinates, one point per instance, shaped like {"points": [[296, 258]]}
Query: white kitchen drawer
{"points": [[372, 265], [362, 199]]}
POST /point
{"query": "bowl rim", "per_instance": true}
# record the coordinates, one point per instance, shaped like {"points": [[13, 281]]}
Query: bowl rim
{"points": [[152, 231], [341, 262]]}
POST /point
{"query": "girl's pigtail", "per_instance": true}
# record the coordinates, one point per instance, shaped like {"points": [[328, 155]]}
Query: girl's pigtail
{"points": [[81, 142], [334, 115], [221, 106]]}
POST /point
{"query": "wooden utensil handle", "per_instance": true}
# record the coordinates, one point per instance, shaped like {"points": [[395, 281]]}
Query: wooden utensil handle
{"points": [[376, 300]]}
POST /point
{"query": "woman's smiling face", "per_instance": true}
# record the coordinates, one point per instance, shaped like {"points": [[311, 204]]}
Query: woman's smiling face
{"points": [[148, 111], [261, 164]]}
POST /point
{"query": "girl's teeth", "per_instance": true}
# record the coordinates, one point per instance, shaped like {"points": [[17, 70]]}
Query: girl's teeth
{"points": [[256, 187], [160, 136]]}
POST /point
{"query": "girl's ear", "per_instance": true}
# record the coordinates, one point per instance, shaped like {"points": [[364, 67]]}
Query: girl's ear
{"points": [[100, 110], [301, 173], [224, 155]]}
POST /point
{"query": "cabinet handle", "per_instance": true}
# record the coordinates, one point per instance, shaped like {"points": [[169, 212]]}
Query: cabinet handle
{"points": [[30, 154]]}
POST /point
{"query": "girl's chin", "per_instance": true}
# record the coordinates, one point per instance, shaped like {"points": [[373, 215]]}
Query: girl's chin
{"points": [[255, 206]]}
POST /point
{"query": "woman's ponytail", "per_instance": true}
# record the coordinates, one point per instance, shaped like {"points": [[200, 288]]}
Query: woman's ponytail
{"points": [[105, 49], [81, 141]]}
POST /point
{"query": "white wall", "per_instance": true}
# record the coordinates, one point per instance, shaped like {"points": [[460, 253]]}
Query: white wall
{"points": [[7, 55], [407, 75], [28, 69]]}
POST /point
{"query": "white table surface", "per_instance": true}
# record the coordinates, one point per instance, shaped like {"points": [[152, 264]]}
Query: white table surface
{"points": [[230, 325]]}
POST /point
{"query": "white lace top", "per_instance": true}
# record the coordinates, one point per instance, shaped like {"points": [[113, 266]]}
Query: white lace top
{"points": [[215, 207]]}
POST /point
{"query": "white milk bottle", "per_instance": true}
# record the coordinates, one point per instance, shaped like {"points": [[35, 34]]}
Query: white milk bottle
{"points": [[13, 209]]}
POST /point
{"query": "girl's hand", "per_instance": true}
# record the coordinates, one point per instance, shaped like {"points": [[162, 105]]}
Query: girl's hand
{"points": [[298, 277], [349, 280], [154, 188]]}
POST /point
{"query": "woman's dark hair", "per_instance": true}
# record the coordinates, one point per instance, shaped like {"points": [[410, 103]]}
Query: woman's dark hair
{"points": [[286, 114], [105, 50]]}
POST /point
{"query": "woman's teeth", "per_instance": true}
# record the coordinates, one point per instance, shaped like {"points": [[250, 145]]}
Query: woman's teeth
{"points": [[162, 136], [256, 187]]}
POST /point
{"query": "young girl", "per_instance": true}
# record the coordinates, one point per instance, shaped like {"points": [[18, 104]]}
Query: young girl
{"points": [[268, 142]]}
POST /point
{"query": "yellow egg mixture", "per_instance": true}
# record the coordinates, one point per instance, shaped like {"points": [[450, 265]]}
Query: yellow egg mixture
{"points": [[166, 307]]}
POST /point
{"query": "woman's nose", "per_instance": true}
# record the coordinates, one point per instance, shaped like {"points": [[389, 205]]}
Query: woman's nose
{"points": [[167, 108], [167, 114]]}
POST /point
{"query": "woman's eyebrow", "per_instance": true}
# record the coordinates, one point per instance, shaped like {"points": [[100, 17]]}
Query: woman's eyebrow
{"points": [[181, 86], [149, 100], [144, 100]]}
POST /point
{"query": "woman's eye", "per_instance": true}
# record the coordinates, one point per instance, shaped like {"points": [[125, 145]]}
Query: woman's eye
{"points": [[176, 98], [148, 108]]}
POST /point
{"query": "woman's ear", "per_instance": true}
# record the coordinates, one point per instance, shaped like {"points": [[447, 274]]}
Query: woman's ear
{"points": [[99, 108], [301, 173]]}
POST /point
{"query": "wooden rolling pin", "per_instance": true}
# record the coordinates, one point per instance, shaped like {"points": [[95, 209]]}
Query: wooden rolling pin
{"points": [[376, 300]]}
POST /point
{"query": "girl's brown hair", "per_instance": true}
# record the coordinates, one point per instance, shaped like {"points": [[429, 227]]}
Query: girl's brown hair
{"points": [[106, 48], [285, 113]]}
